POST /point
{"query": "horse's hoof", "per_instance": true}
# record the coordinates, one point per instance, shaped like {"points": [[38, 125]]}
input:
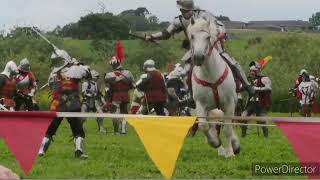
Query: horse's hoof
{"points": [[221, 151], [229, 155], [237, 151]]}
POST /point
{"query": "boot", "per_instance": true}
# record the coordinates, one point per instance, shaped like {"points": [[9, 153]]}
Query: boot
{"points": [[243, 130], [101, 129], [79, 153], [265, 132], [44, 146]]}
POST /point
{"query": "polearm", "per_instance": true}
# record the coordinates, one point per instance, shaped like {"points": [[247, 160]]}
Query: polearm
{"points": [[44, 38], [143, 38]]}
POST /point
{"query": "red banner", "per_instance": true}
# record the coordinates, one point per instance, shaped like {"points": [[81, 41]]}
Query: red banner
{"points": [[305, 140], [23, 133]]}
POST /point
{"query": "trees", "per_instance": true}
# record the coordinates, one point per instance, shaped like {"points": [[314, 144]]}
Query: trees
{"points": [[315, 19]]}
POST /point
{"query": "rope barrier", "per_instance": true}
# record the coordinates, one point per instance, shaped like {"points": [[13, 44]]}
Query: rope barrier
{"points": [[224, 118]]}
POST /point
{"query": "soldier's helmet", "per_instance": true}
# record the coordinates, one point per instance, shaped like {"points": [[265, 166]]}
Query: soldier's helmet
{"points": [[186, 4], [95, 75], [303, 71], [24, 65], [149, 65], [61, 55], [115, 63]]}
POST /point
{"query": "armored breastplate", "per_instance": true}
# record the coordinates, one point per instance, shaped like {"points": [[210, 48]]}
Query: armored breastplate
{"points": [[23, 81]]}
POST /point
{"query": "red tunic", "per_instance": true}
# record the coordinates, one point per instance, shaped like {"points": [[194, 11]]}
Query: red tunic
{"points": [[154, 88], [120, 89]]}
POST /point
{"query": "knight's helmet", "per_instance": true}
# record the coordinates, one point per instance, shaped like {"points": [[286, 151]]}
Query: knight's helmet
{"points": [[115, 63], [95, 75], [10, 69], [149, 65], [304, 75], [60, 57], [24, 65], [255, 67], [186, 4]]}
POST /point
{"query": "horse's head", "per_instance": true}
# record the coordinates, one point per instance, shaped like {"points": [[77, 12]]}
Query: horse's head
{"points": [[203, 35]]}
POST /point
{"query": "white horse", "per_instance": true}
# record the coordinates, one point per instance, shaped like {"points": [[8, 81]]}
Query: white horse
{"points": [[213, 85]]}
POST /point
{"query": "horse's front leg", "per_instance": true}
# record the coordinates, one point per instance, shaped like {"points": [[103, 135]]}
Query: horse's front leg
{"points": [[232, 141], [209, 130]]}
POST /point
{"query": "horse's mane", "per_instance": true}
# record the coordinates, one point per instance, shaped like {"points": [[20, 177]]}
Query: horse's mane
{"points": [[201, 24]]}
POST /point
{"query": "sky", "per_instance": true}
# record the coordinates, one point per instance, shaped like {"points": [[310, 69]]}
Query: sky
{"points": [[47, 14]]}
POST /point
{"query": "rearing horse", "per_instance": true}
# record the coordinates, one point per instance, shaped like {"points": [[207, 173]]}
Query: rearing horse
{"points": [[213, 84]]}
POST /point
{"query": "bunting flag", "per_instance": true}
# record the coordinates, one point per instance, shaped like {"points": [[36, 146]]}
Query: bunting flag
{"points": [[23, 133], [305, 141], [264, 61], [119, 51], [163, 139]]}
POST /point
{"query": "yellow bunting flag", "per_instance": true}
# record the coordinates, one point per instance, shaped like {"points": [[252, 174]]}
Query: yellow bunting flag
{"points": [[163, 139]]}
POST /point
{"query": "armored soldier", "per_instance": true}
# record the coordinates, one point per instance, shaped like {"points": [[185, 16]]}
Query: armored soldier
{"points": [[153, 85], [92, 99], [8, 86], [118, 83], [64, 82], [261, 102], [26, 87]]}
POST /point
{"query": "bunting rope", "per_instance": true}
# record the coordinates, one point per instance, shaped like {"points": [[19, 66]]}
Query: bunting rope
{"points": [[235, 118]]}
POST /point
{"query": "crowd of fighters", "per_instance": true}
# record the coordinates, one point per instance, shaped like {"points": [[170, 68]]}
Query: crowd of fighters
{"points": [[75, 87]]}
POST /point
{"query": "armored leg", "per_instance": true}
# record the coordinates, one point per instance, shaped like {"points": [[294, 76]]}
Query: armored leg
{"points": [[238, 72]]}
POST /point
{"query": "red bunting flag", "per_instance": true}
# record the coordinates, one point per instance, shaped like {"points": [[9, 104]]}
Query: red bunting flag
{"points": [[119, 51], [23, 133], [305, 140]]}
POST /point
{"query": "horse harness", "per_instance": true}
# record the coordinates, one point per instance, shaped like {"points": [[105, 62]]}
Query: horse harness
{"points": [[213, 86]]}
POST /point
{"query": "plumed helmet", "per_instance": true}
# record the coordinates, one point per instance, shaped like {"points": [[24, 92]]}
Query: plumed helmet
{"points": [[254, 66], [186, 4], [149, 65], [115, 63], [95, 75], [24, 65]]}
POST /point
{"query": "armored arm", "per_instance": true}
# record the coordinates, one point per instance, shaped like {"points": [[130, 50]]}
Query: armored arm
{"points": [[267, 85], [142, 81], [174, 27]]}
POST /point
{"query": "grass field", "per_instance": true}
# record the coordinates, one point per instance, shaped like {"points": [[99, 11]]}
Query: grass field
{"points": [[124, 157]]}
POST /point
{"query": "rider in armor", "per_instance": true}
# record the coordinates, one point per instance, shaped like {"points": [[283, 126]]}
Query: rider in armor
{"points": [[8, 86], [118, 84], [180, 24], [64, 82], [261, 102], [92, 99], [153, 85], [26, 87]]}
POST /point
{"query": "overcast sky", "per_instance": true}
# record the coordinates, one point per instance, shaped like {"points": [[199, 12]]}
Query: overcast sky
{"points": [[49, 13]]}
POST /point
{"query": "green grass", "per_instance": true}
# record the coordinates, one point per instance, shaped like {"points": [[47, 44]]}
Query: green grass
{"points": [[123, 157]]}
